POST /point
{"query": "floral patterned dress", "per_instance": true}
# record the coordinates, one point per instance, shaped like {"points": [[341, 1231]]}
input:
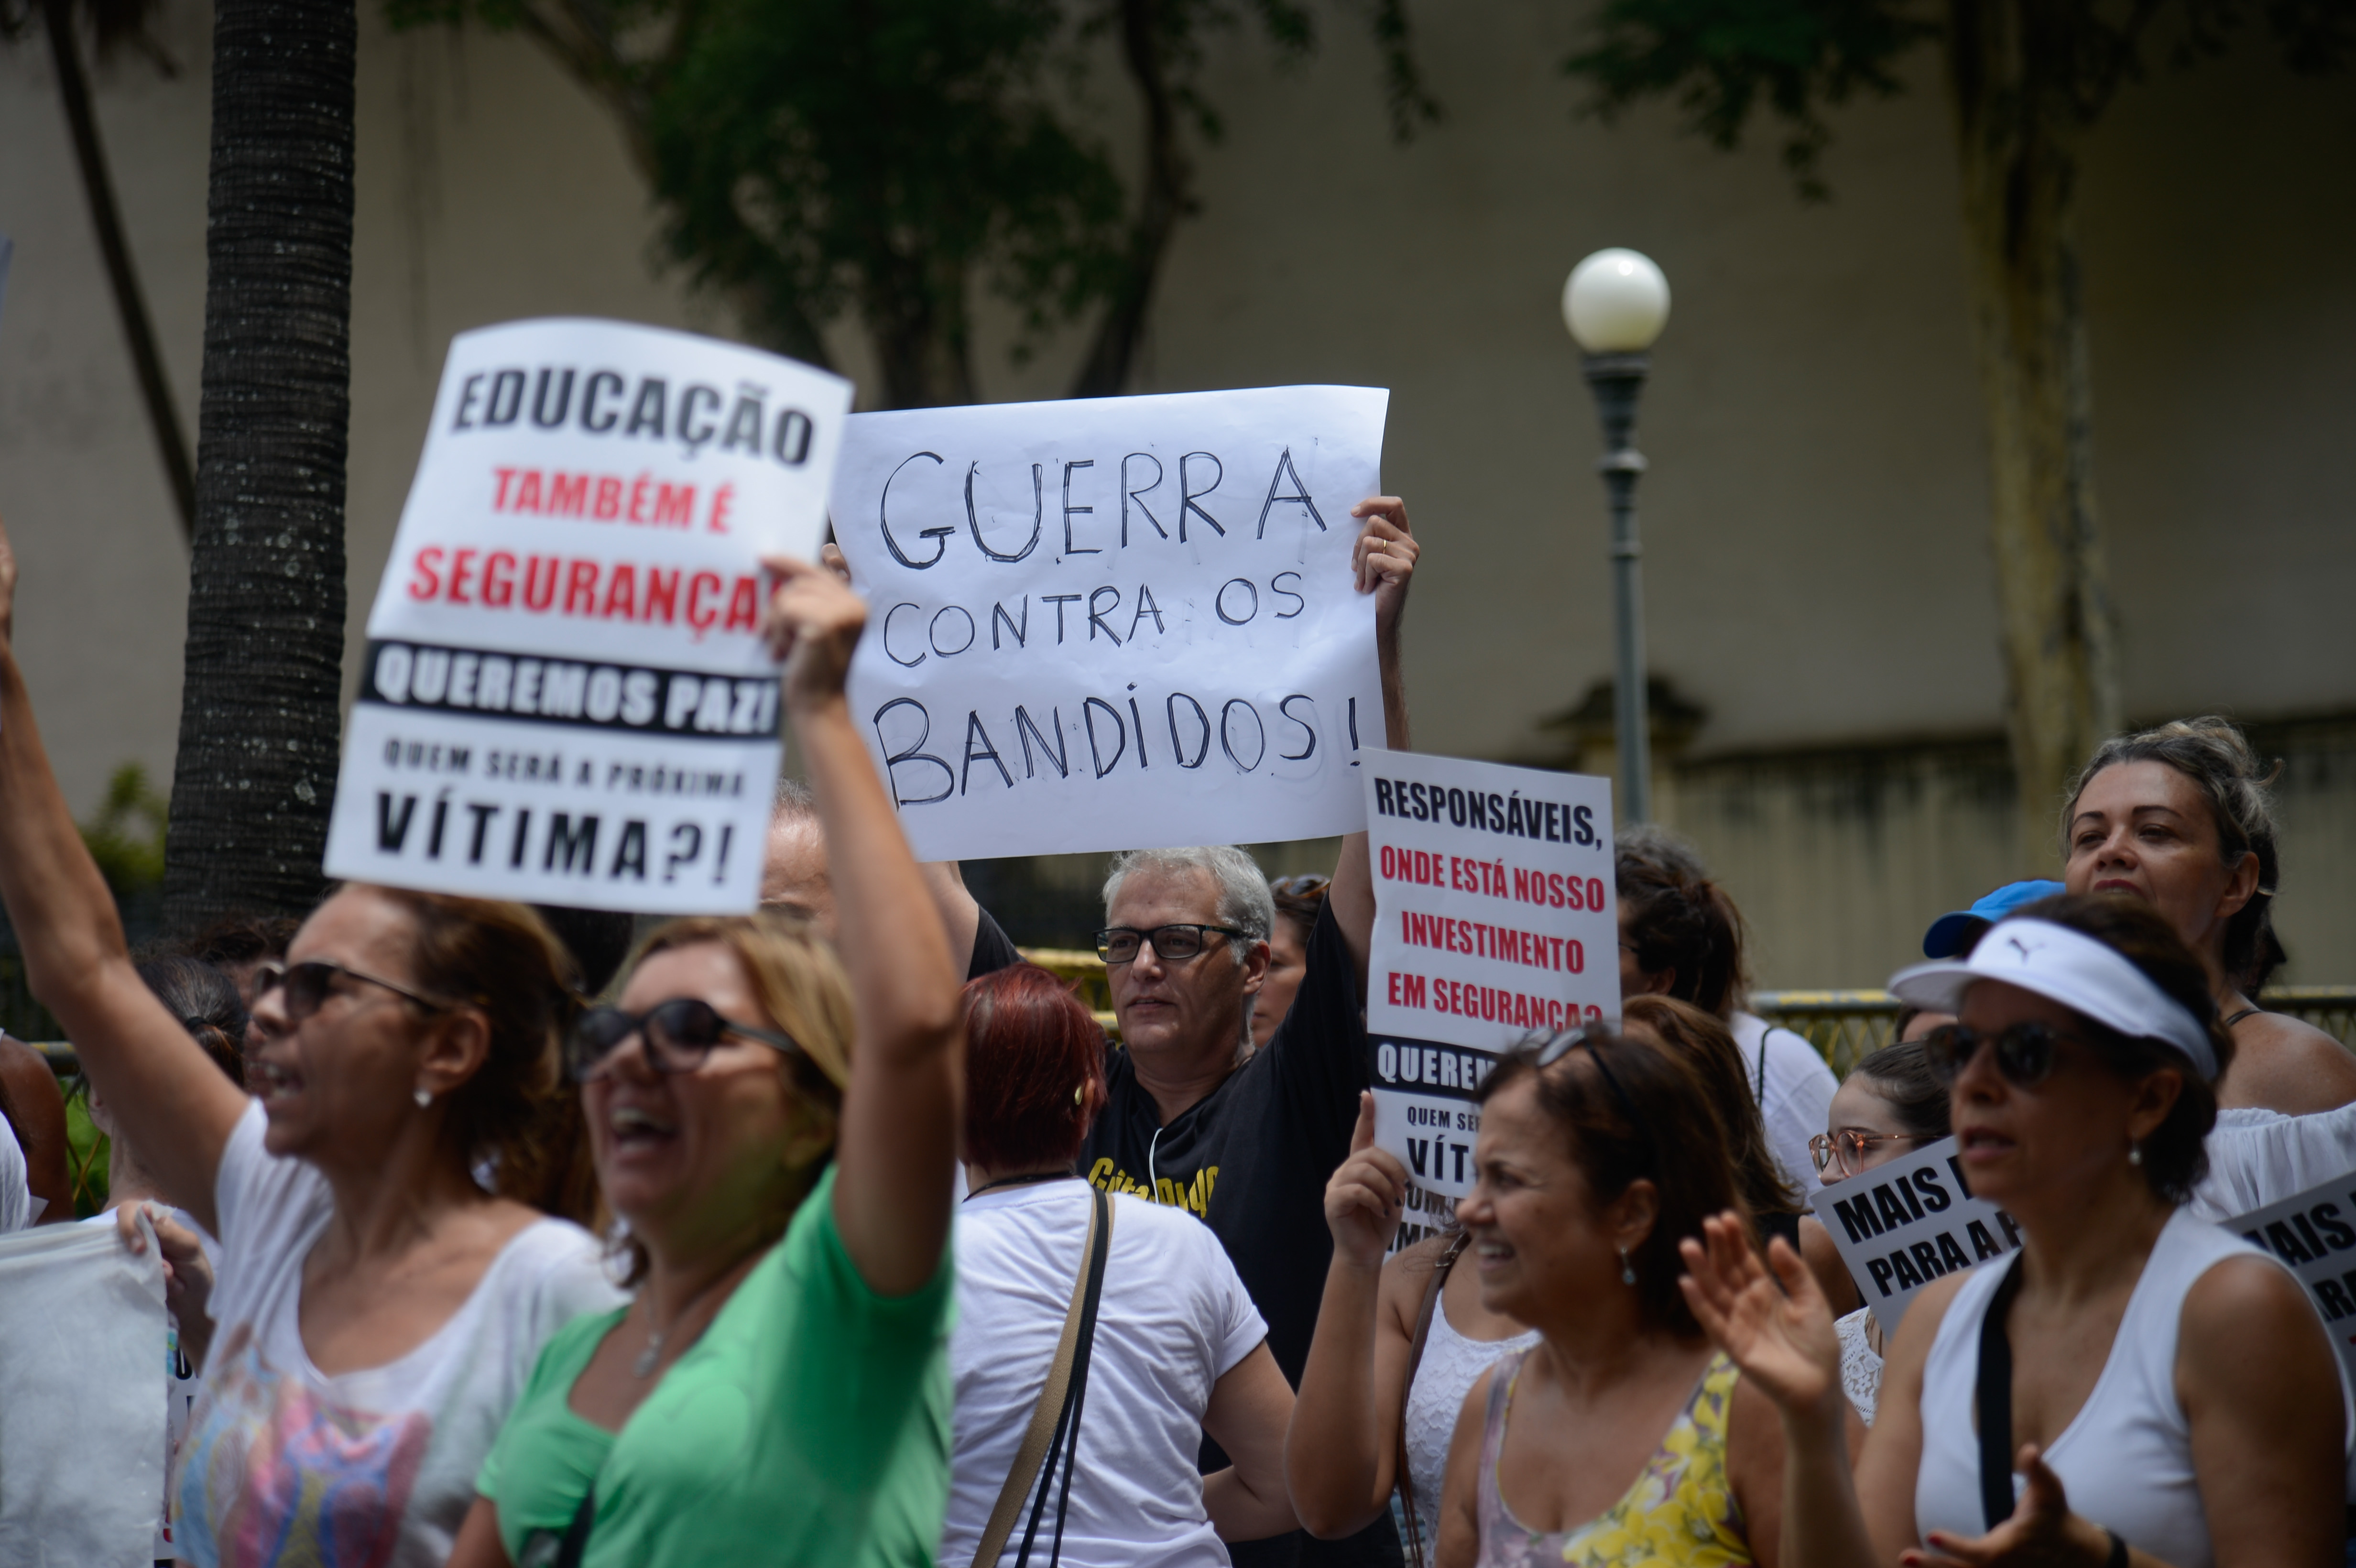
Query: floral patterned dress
{"points": [[1681, 1512]]}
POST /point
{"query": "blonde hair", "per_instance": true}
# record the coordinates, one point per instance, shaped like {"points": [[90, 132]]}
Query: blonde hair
{"points": [[800, 983]]}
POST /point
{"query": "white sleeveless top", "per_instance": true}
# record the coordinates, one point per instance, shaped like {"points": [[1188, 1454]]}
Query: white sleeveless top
{"points": [[1451, 1364], [2126, 1457]]}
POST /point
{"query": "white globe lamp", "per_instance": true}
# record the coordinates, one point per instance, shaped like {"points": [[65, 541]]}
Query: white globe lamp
{"points": [[1616, 302]]}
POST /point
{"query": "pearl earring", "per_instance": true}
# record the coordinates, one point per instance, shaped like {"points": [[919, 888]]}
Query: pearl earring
{"points": [[2135, 1154], [1627, 1269], [423, 1097]]}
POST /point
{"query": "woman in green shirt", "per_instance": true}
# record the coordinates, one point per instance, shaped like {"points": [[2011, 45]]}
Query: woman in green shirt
{"points": [[763, 1400]]}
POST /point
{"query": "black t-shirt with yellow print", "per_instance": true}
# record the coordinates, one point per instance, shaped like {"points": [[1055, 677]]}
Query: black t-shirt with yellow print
{"points": [[1251, 1158]]}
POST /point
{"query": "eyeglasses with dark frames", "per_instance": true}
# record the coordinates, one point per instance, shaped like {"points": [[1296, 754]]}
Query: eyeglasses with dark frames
{"points": [[1172, 944], [309, 984], [678, 1035]]}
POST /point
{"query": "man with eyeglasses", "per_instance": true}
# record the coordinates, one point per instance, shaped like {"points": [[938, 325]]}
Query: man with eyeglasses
{"points": [[1196, 1118]]}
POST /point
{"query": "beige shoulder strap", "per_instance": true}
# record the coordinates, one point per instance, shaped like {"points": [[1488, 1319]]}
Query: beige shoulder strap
{"points": [[1041, 1430]]}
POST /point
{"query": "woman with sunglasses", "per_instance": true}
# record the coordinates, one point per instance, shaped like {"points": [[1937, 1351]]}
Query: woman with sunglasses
{"points": [[1891, 1104], [377, 1310], [1298, 900], [2162, 1388], [779, 1140]]}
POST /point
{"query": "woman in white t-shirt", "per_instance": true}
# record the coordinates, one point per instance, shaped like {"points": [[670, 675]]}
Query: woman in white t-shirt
{"points": [[2132, 1385], [377, 1310], [1178, 1349]]}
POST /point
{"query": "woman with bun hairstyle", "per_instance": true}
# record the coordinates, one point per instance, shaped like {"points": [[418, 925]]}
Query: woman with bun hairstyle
{"points": [[777, 1127], [2179, 816], [377, 1310], [2132, 1385], [1682, 937]]}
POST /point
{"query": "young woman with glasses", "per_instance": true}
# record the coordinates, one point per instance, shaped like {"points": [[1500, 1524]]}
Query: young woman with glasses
{"points": [[377, 1310], [1891, 1104], [777, 1125], [2163, 1389]]}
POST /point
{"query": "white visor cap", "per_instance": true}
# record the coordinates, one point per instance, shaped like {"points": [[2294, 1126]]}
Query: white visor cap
{"points": [[2069, 967]]}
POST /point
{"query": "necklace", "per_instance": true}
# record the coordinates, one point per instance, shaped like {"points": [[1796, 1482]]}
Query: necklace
{"points": [[651, 1356], [1036, 1176]]}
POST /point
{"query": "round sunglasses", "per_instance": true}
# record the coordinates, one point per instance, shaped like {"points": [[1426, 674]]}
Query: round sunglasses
{"points": [[679, 1035]]}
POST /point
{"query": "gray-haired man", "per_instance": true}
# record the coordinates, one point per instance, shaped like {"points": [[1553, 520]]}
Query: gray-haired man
{"points": [[1247, 1141]]}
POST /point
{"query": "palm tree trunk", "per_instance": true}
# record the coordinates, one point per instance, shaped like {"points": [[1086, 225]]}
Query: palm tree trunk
{"points": [[258, 716], [129, 304], [2020, 122]]}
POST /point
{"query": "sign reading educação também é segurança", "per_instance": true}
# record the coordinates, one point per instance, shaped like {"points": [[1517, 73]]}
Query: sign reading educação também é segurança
{"points": [[565, 699], [1495, 919], [1118, 623]]}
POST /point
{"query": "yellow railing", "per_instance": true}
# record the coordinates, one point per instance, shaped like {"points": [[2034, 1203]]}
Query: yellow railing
{"points": [[1084, 973]]}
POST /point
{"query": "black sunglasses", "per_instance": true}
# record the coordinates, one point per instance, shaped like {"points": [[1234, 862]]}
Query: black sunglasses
{"points": [[2024, 1052], [679, 1035], [1172, 944], [308, 985], [1570, 1039]]}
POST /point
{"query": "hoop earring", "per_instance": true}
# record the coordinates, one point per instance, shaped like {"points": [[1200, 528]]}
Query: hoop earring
{"points": [[1627, 1269]]}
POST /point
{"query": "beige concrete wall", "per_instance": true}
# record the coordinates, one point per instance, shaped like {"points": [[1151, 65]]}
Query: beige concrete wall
{"points": [[1817, 571]]}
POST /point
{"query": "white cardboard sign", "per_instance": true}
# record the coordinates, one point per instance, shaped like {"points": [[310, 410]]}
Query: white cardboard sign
{"points": [[1494, 917], [565, 699], [1117, 622], [2314, 1235], [1909, 1221]]}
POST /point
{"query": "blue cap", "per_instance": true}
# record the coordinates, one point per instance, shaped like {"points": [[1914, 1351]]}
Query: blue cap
{"points": [[1951, 936]]}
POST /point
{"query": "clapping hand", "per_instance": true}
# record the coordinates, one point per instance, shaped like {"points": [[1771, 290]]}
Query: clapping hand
{"points": [[1363, 1198], [1781, 1337]]}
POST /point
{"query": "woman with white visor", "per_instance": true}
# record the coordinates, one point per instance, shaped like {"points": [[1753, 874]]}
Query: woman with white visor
{"points": [[2163, 1389]]}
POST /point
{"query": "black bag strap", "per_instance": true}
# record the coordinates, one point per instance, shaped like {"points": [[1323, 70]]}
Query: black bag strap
{"points": [[1417, 1556], [576, 1542], [1995, 1400], [1066, 1441]]}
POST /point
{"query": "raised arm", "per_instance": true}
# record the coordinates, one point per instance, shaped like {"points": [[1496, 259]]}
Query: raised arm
{"points": [[900, 1113], [1384, 560], [1340, 1458], [166, 1094]]}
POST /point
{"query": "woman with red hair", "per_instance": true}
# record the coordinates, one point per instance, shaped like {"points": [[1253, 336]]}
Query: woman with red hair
{"points": [[1167, 1347]]}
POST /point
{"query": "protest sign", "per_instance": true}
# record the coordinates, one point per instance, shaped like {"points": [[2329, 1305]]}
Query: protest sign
{"points": [[2314, 1234], [565, 699], [1910, 1220], [1494, 918], [1118, 623]]}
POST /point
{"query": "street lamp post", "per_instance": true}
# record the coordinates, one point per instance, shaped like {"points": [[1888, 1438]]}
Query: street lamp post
{"points": [[1616, 303]]}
